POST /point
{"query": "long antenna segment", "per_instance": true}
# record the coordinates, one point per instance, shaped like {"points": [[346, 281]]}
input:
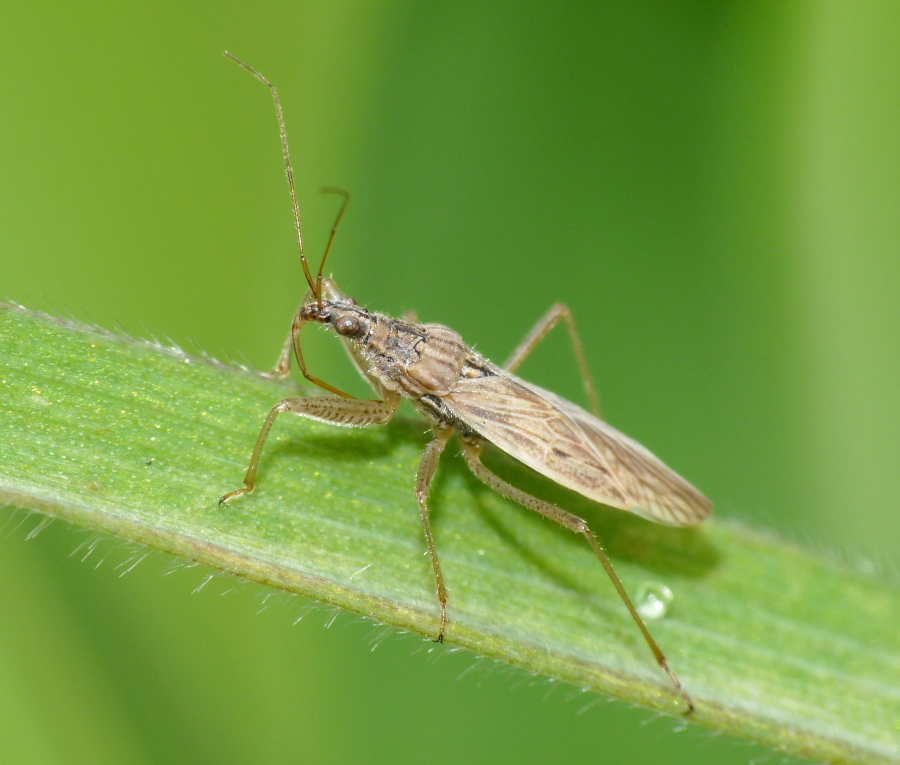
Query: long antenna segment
{"points": [[288, 169]]}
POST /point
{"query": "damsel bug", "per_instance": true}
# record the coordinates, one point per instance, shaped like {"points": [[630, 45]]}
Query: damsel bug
{"points": [[464, 393]]}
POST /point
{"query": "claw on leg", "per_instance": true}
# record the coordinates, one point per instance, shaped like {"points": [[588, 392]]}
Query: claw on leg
{"points": [[440, 637], [232, 494]]}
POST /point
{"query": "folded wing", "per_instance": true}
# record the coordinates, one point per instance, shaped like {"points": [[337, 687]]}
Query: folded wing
{"points": [[574, 448]]}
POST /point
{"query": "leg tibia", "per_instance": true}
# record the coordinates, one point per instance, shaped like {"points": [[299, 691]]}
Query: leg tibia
{"points": [[337, 411]]}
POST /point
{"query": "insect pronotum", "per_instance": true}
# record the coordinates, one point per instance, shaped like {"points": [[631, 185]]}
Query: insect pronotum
{"points": [[464, 393]]}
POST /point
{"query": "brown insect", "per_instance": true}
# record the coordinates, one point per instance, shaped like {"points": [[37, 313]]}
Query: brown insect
{"points": [[464, 393]]}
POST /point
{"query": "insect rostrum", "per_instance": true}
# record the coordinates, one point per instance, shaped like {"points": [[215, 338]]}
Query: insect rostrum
{"points": [[465, 394]]}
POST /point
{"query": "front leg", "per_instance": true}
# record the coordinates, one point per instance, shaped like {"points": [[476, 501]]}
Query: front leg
{"points": [[350, 412], [282, 368]]}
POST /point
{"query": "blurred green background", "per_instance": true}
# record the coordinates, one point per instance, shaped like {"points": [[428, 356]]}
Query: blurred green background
{"points": [[712, 187]]}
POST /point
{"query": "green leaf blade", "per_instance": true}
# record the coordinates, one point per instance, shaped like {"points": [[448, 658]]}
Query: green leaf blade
{"points": [[773, 642]]}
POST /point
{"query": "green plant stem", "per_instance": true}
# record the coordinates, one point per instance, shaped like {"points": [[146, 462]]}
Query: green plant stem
{"points": [[774, 643]]}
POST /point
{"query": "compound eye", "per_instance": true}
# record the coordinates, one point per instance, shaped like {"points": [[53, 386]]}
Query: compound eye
{"points": [[347, 325]]}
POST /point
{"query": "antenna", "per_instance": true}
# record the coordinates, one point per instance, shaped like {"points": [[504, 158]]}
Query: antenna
{"points": [[315, 286]]}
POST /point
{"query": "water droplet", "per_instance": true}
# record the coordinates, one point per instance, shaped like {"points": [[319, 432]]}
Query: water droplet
{"points": [[653, 600]]}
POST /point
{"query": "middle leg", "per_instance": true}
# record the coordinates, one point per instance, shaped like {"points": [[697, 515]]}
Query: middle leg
{"points": [[427, 467]]}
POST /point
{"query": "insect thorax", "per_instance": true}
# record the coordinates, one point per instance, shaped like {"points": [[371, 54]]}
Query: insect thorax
{"points": [[412, 359]]}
